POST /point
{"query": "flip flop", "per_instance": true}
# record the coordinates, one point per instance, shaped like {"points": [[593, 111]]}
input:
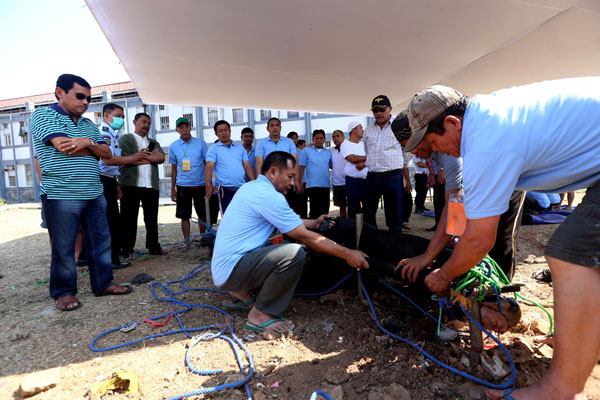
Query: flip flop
{"points": [[542, 275], [262, 327], [110, 291], [238, 305], [63, 305]]}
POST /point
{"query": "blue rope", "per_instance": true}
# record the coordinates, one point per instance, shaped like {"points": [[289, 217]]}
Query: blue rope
{"points": [[319, 393], [513, 369]]}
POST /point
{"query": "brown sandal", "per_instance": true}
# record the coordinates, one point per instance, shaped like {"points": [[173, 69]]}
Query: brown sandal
{"points": [[115, 290], [67, 303]]}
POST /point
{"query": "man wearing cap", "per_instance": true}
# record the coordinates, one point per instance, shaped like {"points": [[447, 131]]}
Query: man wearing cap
{"points": [[230, 163], [353, 151], [545, 137], [385, 163], [187, 157], [507, 235]]}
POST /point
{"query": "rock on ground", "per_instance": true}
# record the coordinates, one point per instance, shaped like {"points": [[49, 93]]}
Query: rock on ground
{"points": [[39, 382]]}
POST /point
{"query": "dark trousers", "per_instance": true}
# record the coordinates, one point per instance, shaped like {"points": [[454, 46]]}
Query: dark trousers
{"points": [[439, 199], [225, 196], [390, 185], [319, 201], [298, 202], [112, 215], [357, 192], [130, 206], [407, 204], [507, 236], [421, 189]]}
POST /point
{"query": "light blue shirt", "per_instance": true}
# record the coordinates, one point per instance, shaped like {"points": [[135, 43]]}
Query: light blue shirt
{"points": [[255, 211], [452, 167], [545, 199], [195, 151], [317, 165], [544, 137], [229, 169], [112, 140], [251, 159], [266, 146]]}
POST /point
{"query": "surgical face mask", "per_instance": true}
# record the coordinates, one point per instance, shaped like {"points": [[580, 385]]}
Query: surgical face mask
{"points": [[117, 123]]}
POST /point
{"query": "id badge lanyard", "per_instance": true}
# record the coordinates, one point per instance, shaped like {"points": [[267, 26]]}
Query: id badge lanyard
{"points": [[186, 163]]}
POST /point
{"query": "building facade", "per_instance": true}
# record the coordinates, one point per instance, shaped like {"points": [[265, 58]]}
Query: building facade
{"points": [[18, 180]]}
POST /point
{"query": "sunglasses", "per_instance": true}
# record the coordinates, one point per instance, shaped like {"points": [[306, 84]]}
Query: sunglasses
{"points": [[81, 96], [378, 109]]}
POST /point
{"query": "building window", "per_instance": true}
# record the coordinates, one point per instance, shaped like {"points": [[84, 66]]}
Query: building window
{"points": [[265, 115], [293, 114], [161, 106], [12, 175], [213, 115], [167, 166], [327, 144], [164, 123], [25, 138], [7, 139], [238, 115], [28, 175], [190, 117]]}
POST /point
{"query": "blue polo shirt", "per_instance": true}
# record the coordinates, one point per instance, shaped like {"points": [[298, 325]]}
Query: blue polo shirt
{"points": [[229, 169], [65, 176], [317, 165], [266, 146], [194, 150], [255, 211], [111, 137], [543, 136], [251, 159]]}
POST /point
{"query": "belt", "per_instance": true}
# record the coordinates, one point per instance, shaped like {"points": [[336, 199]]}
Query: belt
{"points": [[110, 176], [385, 173]]}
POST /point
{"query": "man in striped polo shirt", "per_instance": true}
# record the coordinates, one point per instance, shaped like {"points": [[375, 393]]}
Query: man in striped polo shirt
{"points": [[68, 147]]}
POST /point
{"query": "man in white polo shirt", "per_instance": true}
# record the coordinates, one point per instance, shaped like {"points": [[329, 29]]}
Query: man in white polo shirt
{"points": [[242, 262], [353, 151]]}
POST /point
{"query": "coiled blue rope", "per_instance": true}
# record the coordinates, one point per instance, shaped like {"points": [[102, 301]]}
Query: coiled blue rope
{"points": [[319, 393]]}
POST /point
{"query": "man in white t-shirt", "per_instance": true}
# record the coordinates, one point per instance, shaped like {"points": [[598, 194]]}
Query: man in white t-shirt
{"points": [[353, 151], [338, 177]]}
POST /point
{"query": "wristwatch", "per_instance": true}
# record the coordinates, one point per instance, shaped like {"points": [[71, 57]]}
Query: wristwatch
{"points": [[93, 144]]}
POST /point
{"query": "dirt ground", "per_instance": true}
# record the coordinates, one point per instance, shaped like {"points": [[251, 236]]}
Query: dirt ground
{"points": [[336, 347]]}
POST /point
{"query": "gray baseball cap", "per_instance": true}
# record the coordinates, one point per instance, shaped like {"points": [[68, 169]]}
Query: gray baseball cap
{"points": [[425, 107]]}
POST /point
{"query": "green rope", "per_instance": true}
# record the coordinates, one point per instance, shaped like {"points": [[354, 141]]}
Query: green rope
{"points": [[488, 274]]}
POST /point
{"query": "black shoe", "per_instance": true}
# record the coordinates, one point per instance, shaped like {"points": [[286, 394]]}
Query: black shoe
{"points": [[121, 265], [157, 252], [81, 263]]}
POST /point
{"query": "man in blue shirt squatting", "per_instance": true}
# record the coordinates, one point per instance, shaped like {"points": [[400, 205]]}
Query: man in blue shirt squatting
{"points": [[187, 156], [241, 261], [545, 137], [113, 119], [68, 147], [230, 163], [315, 162]]}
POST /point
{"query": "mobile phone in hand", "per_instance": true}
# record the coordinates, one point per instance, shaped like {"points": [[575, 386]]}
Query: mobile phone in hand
{"points": [[151, 146]]}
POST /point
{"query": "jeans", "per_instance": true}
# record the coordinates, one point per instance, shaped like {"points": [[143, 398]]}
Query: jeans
{"points": [[357, 192], [64, 218]]}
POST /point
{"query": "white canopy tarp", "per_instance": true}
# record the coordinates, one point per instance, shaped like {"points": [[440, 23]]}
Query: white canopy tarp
{"points": [[336, 55]]}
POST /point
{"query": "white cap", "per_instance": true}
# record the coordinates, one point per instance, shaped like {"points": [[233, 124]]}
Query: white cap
{"points": [[352, 125]]}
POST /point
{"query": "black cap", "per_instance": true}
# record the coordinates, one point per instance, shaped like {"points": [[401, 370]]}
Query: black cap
{"points": [[380, 101], [401, 127]]}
